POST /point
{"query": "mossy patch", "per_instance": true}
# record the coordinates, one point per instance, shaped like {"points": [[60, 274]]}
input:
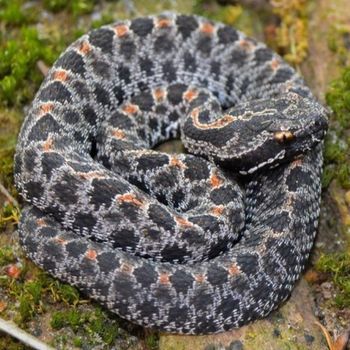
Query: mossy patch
{"points": [[290, 36], [7, 255], [10, 121], [32, 289], [90, 328], [338, 40], [32, 294], [76, 7], [13, 13], [338, 267], [337, 144], [9, 214], [241, 17], [152, 341], [19, 55]]}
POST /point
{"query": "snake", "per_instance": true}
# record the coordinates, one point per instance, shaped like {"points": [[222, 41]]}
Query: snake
{"points": [[198, 242]]}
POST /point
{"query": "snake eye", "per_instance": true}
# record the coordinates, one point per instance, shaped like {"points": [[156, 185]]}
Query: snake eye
{"points": [[283, 136]]}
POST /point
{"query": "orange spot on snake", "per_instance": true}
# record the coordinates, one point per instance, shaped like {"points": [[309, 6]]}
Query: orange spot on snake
{"points": [[126, 268], [60, 75], [121, 30], [45, 108], [298, 162], [217, 211], [91, 254], [215, 181], [183, 222], [130, 198], [275, 64], [131, 108], [207, 28], [246, 45], [118, 134], [233, 270], [190, 95], [60, 241], [164, 278], [159, 94], [48, 145], [85, 48], [163, 23], [176, 162], [41, 222]]}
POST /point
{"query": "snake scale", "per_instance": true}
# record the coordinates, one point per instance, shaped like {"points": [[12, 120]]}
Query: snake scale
{"points": [[189, 243]]}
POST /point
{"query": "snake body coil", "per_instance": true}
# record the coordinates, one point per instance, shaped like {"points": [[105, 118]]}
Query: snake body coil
{"points": [[173, 242]]}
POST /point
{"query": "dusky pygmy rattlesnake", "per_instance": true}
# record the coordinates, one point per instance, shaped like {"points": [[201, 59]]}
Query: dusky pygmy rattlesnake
{"points": [[173, 242]]}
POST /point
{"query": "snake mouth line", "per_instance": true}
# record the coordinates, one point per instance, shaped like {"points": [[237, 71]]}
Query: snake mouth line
{"points": [[270, 161]]}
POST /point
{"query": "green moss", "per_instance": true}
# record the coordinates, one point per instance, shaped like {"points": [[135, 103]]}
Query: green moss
{"points": [[9, 214], [76, 7], [68, 294], [58, 320], [89, 325], [60, 342], [30, 303], [106, 18], [9, 343], [35, 295], [152, 341], [291, 34], [337, 144], [9, 125], [26, 310], [78, 342], [12, 12], [329, 173], [211, 9], [34, 290], [344, 175], [338, 266], [71, 318], [242, 18], [7, 255], [336, 38], [81, 7], [55, 5], [19, 77], [335, 151], [100, 324]]}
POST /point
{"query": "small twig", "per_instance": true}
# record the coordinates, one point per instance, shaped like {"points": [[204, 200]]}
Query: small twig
{"points": [[326, 334], [340, 343], [44, 69], [6, 193], [21, 335]]}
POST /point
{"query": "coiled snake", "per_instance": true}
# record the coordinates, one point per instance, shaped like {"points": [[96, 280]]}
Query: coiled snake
{"points": [[183, 243]]}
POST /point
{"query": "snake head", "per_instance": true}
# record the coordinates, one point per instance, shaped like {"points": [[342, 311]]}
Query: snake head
{"points": [[262, 133]]}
